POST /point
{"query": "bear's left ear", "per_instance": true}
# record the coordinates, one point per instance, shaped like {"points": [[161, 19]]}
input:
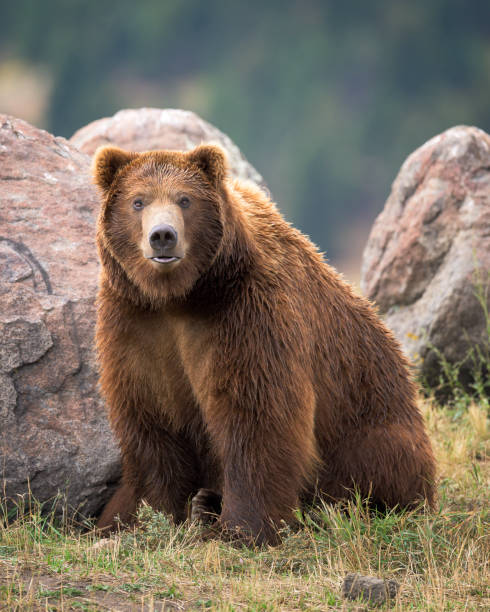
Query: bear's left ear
{"points": [[106, 162], [211, 161]]}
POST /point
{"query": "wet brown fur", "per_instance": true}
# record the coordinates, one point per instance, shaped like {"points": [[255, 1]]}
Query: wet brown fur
{"points": [[251, 369]]}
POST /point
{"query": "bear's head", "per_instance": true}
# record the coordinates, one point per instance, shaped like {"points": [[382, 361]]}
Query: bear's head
{"points": [[161, 223]]}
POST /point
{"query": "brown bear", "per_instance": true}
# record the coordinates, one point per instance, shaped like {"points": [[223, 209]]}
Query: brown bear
{"points": [[239, 368]]}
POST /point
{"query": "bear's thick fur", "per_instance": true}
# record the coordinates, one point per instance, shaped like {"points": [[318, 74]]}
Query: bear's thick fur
{"points": [[238, 367]]}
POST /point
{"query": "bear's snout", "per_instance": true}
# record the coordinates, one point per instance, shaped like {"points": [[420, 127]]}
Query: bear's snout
{"points": [[162, 237]]}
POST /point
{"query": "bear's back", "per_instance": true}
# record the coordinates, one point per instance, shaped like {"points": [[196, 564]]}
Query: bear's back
{"points": [[349, 344]]}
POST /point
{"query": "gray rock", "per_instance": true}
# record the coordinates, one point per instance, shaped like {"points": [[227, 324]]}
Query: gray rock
{"points": [[429, 250], [372, 590], [54, 435], [147, 129]]}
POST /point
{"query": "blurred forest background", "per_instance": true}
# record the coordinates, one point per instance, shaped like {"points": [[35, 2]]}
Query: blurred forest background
{"points": [[325, 98]]}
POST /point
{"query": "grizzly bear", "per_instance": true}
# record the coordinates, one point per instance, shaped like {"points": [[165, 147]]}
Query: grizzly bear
{"points": [[240, 370]]}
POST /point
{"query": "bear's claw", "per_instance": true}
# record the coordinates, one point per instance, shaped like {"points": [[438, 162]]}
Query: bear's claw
{"points": [[205, 506]]}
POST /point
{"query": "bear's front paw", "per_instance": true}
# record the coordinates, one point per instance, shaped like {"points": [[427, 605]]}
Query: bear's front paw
{"points": [[205, 506]]}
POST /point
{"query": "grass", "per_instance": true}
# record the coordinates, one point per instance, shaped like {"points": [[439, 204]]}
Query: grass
{"points": [[440, 558]]}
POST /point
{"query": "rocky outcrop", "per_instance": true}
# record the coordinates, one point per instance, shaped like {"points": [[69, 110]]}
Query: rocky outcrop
{"points": [[54, 435], [429, 250], [147, 129]]}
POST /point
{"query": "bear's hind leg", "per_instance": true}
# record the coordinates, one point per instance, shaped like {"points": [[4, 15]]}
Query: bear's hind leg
{"points": [[165, 471], [160, 467], [392, 465], [119, 511]]}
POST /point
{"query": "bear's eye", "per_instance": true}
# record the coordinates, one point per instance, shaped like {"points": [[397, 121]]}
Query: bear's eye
{"points": [[184, 202], [138, 204]]}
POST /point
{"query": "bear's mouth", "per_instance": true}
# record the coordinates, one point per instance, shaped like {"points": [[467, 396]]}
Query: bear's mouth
{"points": [[164, 259]]}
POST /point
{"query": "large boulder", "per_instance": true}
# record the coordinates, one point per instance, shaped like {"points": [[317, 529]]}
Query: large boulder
{"points": [[148, 129], [54, 435], [428, 255]]}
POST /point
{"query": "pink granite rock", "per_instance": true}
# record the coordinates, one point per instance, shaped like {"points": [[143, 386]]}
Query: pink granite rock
{"points": [[147, 129], [429, 249], [54, 435]]}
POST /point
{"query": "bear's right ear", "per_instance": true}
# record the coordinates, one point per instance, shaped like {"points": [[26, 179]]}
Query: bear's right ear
{"points": [[211, 160], [106, 162]]}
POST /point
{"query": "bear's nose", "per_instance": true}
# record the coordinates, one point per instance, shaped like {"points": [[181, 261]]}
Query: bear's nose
{"points": [[162, 237]]}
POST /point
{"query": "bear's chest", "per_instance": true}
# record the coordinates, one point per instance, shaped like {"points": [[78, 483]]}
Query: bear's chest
{"points": [[154, 355]]}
